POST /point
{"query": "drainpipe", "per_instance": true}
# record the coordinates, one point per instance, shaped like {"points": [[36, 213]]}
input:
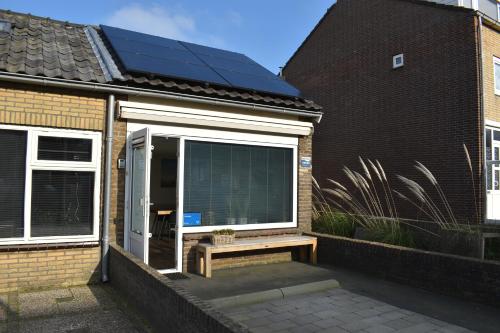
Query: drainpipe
{"points": [[107, 188], [482, 114]]}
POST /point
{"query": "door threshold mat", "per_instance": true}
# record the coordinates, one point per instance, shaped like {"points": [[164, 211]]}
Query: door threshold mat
{"points": [[176, 276]]}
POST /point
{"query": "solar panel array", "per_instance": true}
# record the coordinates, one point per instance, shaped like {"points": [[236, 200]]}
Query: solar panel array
{"points": [[147, 54]]}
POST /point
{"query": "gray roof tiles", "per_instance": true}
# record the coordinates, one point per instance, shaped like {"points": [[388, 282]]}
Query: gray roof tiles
{"points": [[46, 47]]}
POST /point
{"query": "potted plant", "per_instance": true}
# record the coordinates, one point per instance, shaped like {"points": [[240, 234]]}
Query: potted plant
{"points": [[222, 236]]}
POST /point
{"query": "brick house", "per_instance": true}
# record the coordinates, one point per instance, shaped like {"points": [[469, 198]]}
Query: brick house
{"points": [[406, 81], [91, 139]]}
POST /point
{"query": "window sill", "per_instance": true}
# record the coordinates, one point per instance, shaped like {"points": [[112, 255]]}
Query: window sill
{"points": [[46, 246]]}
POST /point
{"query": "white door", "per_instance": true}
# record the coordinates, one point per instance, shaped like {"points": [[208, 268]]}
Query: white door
{"points": [[139, 194], [493, 175]]}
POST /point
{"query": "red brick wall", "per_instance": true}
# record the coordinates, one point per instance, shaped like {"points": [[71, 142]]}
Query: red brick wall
{"points": [[423, 111]]}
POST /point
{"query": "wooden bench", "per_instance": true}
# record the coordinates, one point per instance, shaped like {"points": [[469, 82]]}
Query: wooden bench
{"points": [[204, 251]]}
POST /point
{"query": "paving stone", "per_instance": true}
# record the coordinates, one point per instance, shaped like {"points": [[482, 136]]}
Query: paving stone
{"points": [[303, 320], [259, 313], [379, 329], [327, 314], [367, 313], [398, 323], [283, 325], [256, 322], [327, 323], [355, 326]]}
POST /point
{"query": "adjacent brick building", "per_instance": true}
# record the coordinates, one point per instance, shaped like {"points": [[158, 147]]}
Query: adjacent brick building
{"points": [[59, 83], [424, 110]]}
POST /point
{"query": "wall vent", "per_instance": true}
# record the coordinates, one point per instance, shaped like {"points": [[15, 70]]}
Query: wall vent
{"points": [[398, 61]]}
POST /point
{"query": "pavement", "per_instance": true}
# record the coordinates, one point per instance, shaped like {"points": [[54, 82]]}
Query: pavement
{"points": [[69, 310], [361, 303]]}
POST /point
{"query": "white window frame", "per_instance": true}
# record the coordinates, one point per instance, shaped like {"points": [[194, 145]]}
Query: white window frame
{"points": [[255, 226], [33, 163], [222, 136], [496, 61]]}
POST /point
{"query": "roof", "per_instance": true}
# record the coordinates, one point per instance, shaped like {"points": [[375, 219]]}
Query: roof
{"points": [[418, 2], [49, 48], [44, 47]]}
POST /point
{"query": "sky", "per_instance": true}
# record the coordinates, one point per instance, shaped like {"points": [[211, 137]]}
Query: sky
{"points": [[268, 31]]}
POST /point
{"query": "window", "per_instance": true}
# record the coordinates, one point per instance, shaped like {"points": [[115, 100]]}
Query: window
{"points": [[235, 184], [496, 65], [49, 185], [398, 61]]}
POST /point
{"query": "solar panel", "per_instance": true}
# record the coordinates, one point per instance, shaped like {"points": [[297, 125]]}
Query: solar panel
{"points": [[147, 54]]}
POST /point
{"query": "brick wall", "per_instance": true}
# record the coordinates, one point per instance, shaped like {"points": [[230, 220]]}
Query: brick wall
{"points": [[469, 278], [160, 301], [116, 223], [40, 266], [491, 48], [423, 111], [39, 106]]}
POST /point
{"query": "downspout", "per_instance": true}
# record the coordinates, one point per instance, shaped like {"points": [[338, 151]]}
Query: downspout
{"points": [[483, 117], [107, 188]]}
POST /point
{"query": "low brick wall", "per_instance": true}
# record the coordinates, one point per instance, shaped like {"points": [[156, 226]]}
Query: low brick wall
{"points": [[166, 306], [469, 278], [39, 267]]}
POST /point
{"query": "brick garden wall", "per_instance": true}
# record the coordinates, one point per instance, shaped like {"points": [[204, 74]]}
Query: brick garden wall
{"points": [[423, 111], [469, 278], [160, 301], [40, 266]]}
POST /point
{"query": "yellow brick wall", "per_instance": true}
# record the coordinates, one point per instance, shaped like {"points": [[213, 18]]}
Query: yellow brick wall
{"points": [[28, 105], [38, 267], [491, 48], [44, 268]]}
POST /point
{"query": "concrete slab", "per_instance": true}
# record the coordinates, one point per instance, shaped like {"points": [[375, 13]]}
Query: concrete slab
{"points": [[70, 310], [245, 280]]}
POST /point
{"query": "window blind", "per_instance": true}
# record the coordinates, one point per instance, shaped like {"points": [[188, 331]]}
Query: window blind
{"points": [[12, 181], [62, 203], [238, 184]]}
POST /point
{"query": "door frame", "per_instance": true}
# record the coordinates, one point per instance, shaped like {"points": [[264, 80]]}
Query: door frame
{"points": [[180, 182], [493, 126]]}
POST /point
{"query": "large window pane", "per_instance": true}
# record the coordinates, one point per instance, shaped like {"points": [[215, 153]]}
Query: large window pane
{"points": [[64, 149], [12, 178], [62, 203], [238, 184]]}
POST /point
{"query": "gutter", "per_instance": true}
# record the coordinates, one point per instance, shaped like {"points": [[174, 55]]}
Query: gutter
{"points": [[132, 91], [107, 188]]}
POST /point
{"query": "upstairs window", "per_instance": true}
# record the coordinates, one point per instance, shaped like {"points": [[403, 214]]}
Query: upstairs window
{"points": [[49, 185], [496, 65]]}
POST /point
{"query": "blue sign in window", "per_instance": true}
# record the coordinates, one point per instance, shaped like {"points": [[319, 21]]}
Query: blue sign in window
{"points": [[192, 219]]}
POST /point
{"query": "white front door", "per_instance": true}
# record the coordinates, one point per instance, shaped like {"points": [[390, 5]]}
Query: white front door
{"points": [[493, 174], [138, 232]]}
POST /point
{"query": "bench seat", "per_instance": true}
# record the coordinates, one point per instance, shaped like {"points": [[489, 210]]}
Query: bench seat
{"points": [[204, 251]]}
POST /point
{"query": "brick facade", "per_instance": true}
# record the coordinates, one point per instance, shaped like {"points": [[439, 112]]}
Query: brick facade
{"points": [[425, 111], [491, 48], [40, 266]]}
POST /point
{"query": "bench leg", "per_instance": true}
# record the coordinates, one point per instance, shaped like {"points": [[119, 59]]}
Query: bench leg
{"points": [[303, 253], [314, 252], [208, 264], [200, 262]]}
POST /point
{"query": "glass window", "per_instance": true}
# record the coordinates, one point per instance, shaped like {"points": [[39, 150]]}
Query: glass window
{"points": [[62, 203], [497, 76], [61, 196], [12, 181], [238, 184], [64, 149]]}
